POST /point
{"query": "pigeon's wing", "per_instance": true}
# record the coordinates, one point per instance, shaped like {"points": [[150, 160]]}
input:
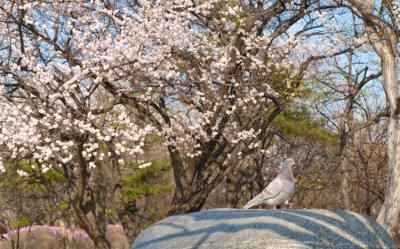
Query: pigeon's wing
{"points": [[271, 191]]}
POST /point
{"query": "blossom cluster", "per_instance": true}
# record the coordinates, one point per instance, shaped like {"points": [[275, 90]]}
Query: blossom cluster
{"points": [[93, 80]]}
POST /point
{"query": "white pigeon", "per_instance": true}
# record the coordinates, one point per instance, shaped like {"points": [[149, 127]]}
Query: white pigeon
{"points": [[279, 190]]}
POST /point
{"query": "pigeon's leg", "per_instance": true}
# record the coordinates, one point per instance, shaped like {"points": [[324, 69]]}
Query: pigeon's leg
{"points": [[289, 205], [286, 204]]}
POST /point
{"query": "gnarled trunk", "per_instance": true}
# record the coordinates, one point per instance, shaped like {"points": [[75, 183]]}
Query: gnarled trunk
{"points": [[187, 201], [91, 226], [190, 196], [89, 201]]}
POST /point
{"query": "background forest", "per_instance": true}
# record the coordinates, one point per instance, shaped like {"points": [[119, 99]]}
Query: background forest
{"points": [[116, 114]]}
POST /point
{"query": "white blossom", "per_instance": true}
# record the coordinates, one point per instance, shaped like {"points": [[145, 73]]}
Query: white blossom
{"points": [[144, 165]]}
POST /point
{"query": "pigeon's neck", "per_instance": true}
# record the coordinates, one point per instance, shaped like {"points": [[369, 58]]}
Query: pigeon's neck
{"points": [[286, 173]]}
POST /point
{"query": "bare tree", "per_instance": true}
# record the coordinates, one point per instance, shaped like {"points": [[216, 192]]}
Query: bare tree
{"points": [[382, 29]]}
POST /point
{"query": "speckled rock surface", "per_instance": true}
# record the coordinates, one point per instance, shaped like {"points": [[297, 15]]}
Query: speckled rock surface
{"points": [[253, 229]]}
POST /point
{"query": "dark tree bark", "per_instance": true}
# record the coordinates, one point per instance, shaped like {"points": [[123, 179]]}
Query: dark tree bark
{"points": [[232, 189]]}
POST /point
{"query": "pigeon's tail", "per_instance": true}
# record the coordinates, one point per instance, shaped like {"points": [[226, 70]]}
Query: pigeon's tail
{"points": [[253, 202]]}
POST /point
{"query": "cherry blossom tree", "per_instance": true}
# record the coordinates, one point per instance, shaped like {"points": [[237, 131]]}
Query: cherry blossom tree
{"points": [[55, 114], [246, 65], [84, 83]]}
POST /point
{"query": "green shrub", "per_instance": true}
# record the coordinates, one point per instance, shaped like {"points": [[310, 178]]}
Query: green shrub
{"points": [[137, 183]]}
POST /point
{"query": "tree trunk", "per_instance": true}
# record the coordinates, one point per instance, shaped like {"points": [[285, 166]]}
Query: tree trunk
{"points": [[344, 138], [88, 223], [368, 200], [89, 201], [129, 221], [389, 214], [192, 181], [191, 196], [232, 183], [344, 184], [344, 167], [188, 202], [101, 243]]}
